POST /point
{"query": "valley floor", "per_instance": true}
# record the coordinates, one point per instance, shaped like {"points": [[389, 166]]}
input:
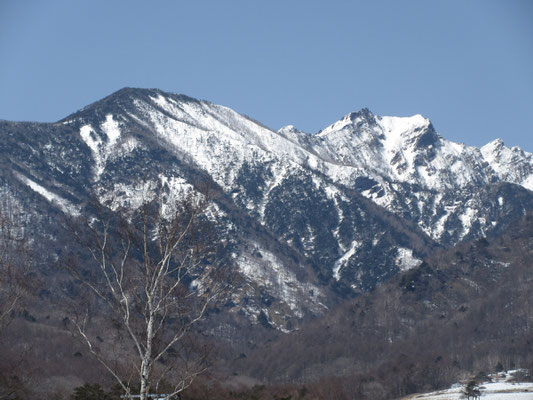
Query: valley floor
{"points": [[501, 387]]}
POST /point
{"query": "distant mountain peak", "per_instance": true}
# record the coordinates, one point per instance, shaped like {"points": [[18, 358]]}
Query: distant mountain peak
{"points": [[494, 145], [290, 129], [124, 99], [364, 113]]}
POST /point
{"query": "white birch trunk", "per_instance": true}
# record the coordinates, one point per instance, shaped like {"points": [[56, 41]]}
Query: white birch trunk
{"points": [[144, 291]]}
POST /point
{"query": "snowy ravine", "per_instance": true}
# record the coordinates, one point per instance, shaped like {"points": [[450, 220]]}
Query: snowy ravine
{"points": [[310, 217]]}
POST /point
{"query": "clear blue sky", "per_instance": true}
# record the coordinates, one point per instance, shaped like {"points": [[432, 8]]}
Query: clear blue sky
{"points": [[467, 65]]}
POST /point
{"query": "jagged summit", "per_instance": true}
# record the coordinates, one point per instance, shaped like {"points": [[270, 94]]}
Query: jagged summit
{"points": [[496, 143], [509, 164], [364, 113]]}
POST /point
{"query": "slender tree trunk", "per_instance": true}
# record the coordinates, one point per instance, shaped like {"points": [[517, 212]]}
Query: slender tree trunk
{"points": [[146, 365]]}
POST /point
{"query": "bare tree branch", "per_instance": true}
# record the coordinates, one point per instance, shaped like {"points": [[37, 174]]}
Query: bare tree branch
{"points": [[157, 274], [15, 281]]}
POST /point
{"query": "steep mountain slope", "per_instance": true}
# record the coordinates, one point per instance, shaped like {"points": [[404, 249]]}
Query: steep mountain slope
{"points": [[308, 217], [405, 166], [463, 311]]}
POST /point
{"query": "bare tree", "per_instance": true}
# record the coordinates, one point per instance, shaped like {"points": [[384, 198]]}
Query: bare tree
{"points": [[14, 258], [155, 271], [15, 280]]}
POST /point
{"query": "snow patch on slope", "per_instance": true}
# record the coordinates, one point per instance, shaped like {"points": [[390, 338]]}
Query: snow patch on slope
{"points": [[398, 131], [268, 271], [90, 138], [103, 150], [131, 196], [405, 259], [341, 262], [66, 206], [111, 129], [467, 219]]}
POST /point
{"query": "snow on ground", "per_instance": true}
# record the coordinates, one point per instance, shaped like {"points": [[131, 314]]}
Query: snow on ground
{"points": [[111, 129], [103, 150], [467, 219], [397, 130], [528, 182], [405, 259], [269, 271], [502, 387], [341, 262], [279, 175], [94, 143], [64, 204], [131, 195]]}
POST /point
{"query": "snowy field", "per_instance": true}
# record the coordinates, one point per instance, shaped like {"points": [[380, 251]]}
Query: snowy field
{"points": [[502, 387]]}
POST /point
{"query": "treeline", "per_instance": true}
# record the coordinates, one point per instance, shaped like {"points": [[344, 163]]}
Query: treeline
{"points": [[200, 390], [464, 311]]}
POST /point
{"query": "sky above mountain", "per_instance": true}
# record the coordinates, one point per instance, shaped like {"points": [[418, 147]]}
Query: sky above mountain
{"points": [[465, 65]]}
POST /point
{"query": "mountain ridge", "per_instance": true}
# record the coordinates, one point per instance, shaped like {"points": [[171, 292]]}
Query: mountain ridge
{"points": [[366, 197]]}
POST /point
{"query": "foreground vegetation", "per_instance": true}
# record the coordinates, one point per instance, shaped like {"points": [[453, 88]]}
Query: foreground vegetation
{"points": [[464, 312]]}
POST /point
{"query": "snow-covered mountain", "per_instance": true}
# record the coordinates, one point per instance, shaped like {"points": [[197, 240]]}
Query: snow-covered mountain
{"points": [[405, 166], [310, 217]]}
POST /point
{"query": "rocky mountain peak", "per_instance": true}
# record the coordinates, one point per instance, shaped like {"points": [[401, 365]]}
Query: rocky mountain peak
{"points": [[290, 129], [364, 114], [492, 148]]}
